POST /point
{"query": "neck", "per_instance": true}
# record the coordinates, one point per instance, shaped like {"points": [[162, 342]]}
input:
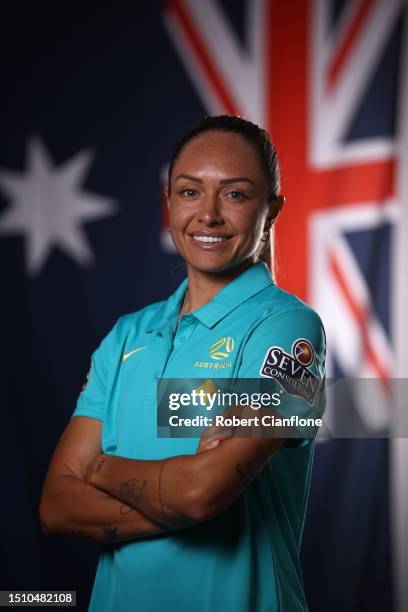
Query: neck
{"points": [[203, 286]]}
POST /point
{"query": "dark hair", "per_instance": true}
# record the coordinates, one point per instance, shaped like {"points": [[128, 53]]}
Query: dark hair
{"points": [[264, 148]]}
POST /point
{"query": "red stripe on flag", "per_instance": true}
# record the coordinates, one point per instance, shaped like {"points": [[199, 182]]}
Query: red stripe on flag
{"points": [[362, 316], [352, 34], [195, 41], [355, 184]]}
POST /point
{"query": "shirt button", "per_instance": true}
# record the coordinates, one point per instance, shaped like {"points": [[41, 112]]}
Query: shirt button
{"points": [[181, 338]]}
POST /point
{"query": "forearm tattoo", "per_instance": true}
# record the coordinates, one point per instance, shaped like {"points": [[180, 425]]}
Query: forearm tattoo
{"points": [[110, 533], [99, 465], [133, 489], [81, 533]]}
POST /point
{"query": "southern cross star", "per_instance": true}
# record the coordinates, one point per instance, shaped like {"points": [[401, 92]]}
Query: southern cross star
{"points": [[49, 206]]}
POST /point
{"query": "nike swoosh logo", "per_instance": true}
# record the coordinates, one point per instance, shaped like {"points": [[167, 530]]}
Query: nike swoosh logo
{"points": [[127, 355]]}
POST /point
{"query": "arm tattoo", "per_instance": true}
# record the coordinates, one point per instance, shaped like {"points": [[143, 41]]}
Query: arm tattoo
{"points": [[110, 533], [133, 489], [82, 534], [99, 465]]}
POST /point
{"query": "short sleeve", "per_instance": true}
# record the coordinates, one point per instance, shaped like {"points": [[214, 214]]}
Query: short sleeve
{"points": [[287, 353], [92, 398]]}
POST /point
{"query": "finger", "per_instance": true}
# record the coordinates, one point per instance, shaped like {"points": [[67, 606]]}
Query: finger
{"points": [[214, 441], [209, 445], [217, 432]]}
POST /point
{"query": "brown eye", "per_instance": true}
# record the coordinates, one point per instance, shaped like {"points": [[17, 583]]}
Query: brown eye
{"points": [[188, 193], [237, 195]]}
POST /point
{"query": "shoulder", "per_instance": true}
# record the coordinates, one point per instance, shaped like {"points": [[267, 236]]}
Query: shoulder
{"points": [[139, 318], [132, 322], [287, 326], [282, 308]]}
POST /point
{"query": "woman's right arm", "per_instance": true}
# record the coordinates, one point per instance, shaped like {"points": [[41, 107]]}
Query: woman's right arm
{"points": [[70, 505]]}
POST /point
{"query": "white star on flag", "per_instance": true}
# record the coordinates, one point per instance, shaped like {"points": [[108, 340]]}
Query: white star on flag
{"points": [[48, 206]]}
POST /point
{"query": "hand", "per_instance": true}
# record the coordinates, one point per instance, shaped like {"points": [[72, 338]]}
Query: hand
{"points": [[212, 437]]}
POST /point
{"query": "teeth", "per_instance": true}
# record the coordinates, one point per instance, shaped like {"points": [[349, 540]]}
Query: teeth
{"points": [[209, 238]]}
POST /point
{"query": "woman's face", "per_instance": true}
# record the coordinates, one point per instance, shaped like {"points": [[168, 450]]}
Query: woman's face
{"points": [[217, 203]]}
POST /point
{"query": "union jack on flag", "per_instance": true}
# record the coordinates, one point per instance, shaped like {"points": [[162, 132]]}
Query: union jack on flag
{"points": [[328, 81]]}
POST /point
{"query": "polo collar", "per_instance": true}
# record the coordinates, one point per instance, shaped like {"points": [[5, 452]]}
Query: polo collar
{"points": [[169, 310], [251, 281]]}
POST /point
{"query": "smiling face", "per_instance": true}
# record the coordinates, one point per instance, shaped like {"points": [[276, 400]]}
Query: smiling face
{"points": [[218, 205]]}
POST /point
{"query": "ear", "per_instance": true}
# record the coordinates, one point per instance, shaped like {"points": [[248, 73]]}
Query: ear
{"points": [[165, 191], [275, 206]]}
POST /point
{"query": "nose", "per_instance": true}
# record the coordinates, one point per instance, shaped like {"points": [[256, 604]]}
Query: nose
{"points": [[209, 212]]}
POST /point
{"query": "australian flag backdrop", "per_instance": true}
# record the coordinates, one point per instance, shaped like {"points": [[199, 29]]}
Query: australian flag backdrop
{"points": [[93, 102]]}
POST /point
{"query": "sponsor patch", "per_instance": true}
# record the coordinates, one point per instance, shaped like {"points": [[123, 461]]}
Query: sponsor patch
{"points": [[292, 371]]}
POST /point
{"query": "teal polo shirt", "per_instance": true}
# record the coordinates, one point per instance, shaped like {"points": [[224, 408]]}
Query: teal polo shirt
{"points": [[246, 559]]}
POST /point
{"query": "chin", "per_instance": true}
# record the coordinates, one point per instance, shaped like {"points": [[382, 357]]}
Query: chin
{"points": [[207, 266]]}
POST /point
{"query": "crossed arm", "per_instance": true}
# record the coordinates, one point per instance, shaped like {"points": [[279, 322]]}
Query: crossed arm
{"points": [[109, 498], [180, 491]]}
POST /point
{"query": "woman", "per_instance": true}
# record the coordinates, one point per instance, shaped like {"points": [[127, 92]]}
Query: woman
{"points": [[218, 526]]}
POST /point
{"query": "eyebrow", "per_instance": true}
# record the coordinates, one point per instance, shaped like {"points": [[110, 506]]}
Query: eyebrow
{"points": [[235, 179]]}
